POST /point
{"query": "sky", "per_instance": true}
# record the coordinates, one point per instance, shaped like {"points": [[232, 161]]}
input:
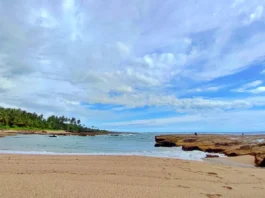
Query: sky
{"points": [[139, 66]]}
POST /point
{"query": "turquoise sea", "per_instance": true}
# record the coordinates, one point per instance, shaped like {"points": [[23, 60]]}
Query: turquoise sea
{"points": [[141, 144]]}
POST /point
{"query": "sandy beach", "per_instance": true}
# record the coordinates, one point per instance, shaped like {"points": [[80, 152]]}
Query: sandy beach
{"points": [[125, 176]]}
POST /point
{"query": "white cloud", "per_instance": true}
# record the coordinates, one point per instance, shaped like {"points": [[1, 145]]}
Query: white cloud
{"points": [[247, 87], [68, 4], [258, 90], [210, 122], [256, 15], [158, 122], [5, 83], [124, 49], [252, 84], [207, 89], [56, 55]]}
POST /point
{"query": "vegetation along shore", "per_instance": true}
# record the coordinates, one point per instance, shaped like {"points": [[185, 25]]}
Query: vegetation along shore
{"points": [[17, 121]]}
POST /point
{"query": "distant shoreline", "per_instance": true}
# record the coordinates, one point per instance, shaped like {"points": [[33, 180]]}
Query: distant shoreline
{"points": [[10, 132]]}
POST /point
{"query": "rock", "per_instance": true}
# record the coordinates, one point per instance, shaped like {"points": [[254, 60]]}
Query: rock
{"points": [[231, 153], [246, 147], [211, 156], [165, 141], [232, 143], [214, 150], [190, 140], [191, 148], [165, 144], [82, 134], [260, 159]]}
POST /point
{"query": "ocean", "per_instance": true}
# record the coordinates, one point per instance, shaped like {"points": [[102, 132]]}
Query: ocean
{"points": [[141, 144]]}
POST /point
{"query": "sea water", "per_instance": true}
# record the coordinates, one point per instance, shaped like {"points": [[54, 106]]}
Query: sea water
{"points": [[141, 144]]}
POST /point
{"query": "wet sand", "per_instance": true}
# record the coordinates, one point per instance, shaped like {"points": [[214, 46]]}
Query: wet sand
{"points": [[246, 159], [124, 176], [239, 161]]}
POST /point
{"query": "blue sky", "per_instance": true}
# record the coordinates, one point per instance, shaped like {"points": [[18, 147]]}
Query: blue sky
{"points": [[169, 66]]}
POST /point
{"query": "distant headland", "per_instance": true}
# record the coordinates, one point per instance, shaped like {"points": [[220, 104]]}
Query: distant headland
{"points": [[13, 121]]}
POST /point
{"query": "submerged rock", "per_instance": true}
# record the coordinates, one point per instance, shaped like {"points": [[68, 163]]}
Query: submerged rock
{"points": [[212, 156]]}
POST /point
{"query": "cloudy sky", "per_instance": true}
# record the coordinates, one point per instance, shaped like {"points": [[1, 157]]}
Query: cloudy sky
{"points": [[136, 65]]}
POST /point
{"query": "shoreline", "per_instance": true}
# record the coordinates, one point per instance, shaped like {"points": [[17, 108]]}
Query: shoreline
{"points": [[238, 161], [221, 159], [124, 176], [11, 132]]}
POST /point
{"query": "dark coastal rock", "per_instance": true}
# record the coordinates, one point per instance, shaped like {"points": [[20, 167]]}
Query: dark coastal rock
{"points": [[230, 145], [246, 147], [212, 156], [191, 148], [162, 142], [214, 150], [165, 144], [82, 134], [231, 153], [260, 159]]}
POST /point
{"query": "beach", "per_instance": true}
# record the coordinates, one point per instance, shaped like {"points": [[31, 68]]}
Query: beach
{"points": [[125, 176]]}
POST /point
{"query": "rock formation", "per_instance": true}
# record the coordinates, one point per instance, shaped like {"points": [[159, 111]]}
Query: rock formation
{"points": [[230, 145]]}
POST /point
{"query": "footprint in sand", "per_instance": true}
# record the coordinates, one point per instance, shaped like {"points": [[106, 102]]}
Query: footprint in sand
{"points": [[228, 187], [183, 186], [258, 188], [213, 195], [212, 173]]}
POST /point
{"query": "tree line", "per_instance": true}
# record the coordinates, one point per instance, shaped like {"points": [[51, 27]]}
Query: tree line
{"points": [[17, 118]]}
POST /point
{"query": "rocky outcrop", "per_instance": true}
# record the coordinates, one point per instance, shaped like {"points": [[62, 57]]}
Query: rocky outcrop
{"points": [[260, 159], [164, 141], [229, 145]]}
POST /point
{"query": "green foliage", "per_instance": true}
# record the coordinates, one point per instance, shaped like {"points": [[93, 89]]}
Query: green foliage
{"points": [[19, 119]]}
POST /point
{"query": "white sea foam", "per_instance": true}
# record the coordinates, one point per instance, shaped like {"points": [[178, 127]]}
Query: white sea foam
{"points": [[123, 134], [165, 153], [260, 140]]}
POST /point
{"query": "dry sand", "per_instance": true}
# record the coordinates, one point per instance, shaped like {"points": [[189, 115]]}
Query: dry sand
{"points": [[125, 176]]}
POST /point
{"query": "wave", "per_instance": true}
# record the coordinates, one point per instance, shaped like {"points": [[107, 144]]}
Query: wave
{"points": [[122, 135], [177, 154]]}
